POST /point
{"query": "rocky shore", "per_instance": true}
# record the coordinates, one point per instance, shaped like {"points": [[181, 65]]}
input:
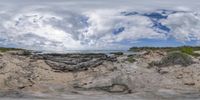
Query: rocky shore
{"points": [[24, 74]]}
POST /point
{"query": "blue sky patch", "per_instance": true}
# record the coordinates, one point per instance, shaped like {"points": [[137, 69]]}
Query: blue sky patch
{"points": [[129, 13], [155, 15], [118, 30]]}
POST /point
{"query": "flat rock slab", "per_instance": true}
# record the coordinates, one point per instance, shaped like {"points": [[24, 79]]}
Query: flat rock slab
{"points": [[74, 62]]}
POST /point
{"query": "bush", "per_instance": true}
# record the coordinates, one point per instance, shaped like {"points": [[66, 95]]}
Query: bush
{"points": [[190, 51], [8, 49], [117, 53], [196, 54], [187, 50], [174, 58], [26, 52], [131, 59]]}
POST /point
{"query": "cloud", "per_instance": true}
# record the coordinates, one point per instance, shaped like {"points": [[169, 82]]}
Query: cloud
{"points": [[34, 30], [184, 26], [48, 30]]}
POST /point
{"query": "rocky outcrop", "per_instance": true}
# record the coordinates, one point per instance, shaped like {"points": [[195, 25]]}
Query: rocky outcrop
{"points": [[114, 88], [74, 62]]}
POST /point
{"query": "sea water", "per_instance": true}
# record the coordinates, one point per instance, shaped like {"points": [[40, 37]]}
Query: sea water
{"points": [[107, 52]]}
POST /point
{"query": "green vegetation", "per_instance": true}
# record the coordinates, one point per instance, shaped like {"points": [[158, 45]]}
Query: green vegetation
{"points": [[137, 49], [8, 49], [195, 48], [190, 50], [117, 53], [26, 52], [173, 58], [131, 59], [187, 50]]}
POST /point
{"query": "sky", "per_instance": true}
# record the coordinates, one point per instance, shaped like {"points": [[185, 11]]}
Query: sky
{"points": [[59, 25]]}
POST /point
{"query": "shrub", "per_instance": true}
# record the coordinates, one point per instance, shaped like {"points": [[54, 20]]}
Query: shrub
{"points": [[131, 55], [117, 53], [174, 58], [153, 63], [196, 54], [7, 49], [131, 59], [26, 52], [187, 50], [4, 49]]}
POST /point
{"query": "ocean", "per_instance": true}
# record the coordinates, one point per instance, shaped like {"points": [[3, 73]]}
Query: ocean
{"points": [[108, 52]]}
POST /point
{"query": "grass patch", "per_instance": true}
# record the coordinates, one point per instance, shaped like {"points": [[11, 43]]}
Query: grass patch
{"points": [[187, 50], [190, 50], [131, 59], [8, 49], [173, 58]]}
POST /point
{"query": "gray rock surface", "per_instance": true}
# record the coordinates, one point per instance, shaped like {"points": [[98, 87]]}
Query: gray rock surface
{"points": [[74, 62]]}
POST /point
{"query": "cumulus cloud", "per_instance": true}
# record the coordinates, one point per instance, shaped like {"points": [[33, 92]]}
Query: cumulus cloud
{"points": [[34, 30], [184, 26], [93, 30]]}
